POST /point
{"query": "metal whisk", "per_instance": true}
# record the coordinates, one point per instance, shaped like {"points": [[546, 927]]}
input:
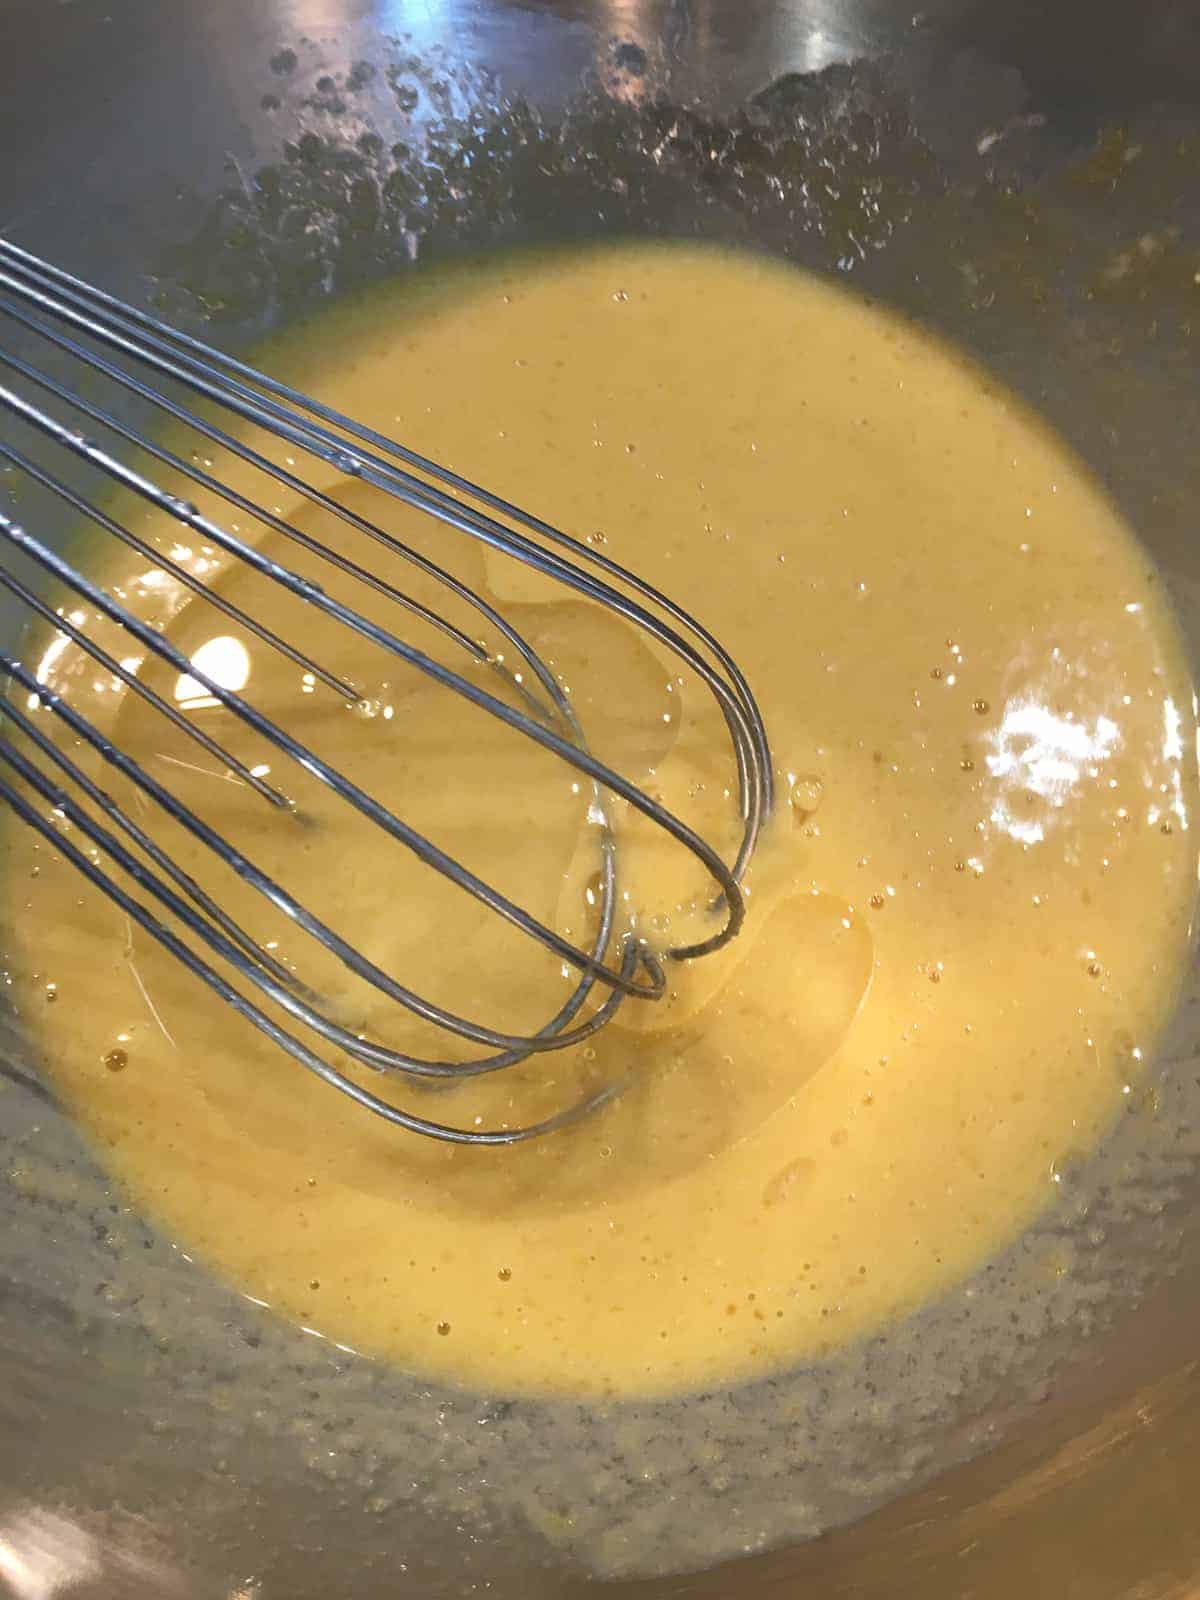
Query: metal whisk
{"points": [[114, 357]]}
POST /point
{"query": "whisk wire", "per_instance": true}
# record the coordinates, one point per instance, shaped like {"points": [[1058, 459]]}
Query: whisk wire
{"points": [[544, 714]]}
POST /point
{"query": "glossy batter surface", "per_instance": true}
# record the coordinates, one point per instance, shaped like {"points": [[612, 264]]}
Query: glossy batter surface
{"points": [[967, 924]]}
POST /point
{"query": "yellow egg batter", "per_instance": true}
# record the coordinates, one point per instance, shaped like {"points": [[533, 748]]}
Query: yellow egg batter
{"points": [[966, 926]]}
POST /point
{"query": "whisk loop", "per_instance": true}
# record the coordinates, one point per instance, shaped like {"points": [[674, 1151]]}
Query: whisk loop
{"points": [[118, 357]]}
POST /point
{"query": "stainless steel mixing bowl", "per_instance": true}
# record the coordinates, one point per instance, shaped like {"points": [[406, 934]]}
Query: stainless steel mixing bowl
{"points": [[1024, 178]]}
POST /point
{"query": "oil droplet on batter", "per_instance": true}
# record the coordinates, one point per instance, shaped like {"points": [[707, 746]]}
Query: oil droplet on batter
{"points": [[115, 1060], [980, 707], [51, 991], [806, 796], [443, 1328], [504, 1274]]}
